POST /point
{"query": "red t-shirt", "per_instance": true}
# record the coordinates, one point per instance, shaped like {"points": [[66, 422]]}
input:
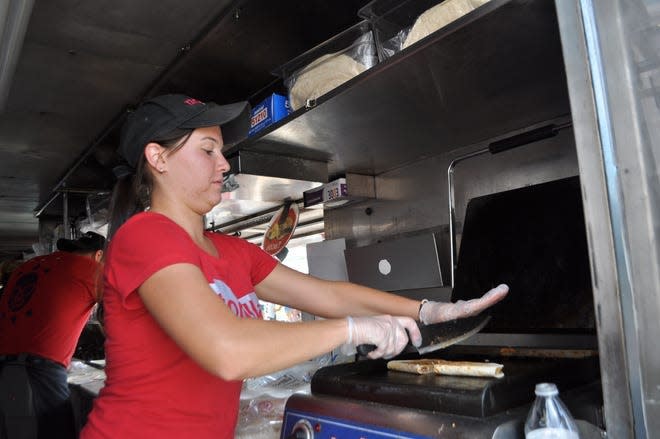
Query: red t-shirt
{"points": [[45, 305], [153, 389]]}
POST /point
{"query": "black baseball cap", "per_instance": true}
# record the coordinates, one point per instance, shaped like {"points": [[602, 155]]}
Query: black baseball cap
{"points": [[159, 116], [89, 242]]}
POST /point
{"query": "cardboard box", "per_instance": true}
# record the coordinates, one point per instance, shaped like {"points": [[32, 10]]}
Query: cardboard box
{"points": [[267, 112]]}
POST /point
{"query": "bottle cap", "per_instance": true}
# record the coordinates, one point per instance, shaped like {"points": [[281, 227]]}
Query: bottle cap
{"points": [[546, 389]]}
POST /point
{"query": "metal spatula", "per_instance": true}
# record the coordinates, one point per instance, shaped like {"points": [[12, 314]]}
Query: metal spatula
{"points": [[440, 335]]}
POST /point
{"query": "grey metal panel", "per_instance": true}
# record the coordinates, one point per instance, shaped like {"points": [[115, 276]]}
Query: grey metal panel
{"points": [[625, 73], [614, 132], [405, 263], [326, 259], [280, 166]]}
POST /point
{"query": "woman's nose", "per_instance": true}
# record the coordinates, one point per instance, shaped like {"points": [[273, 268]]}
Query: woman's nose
{"points": [[223, 164]]}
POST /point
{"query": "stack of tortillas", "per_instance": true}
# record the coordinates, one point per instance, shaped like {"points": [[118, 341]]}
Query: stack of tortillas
{"points": [[444, 367], [322, 75], [439, 16]]}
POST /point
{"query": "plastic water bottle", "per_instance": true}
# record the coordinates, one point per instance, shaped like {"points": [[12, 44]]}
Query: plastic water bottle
{"points": [[549, 418]]}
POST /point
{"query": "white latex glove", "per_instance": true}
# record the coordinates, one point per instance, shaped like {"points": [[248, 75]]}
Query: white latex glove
{"points": [[436, 312], [388, 333]]}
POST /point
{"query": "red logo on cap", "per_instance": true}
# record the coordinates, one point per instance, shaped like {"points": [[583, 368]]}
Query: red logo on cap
{"points": [[192, 101]]}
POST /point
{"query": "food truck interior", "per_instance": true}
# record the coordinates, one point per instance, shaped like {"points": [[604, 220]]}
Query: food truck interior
{"points": [[518, 142]]}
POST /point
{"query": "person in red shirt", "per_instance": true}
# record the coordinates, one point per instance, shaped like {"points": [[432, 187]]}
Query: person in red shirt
{"points": [[6, 268], [182, 319], [43, 309]]}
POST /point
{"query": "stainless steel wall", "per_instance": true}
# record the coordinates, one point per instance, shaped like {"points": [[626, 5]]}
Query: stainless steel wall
{"points": [[414, 198], [612, 56]]}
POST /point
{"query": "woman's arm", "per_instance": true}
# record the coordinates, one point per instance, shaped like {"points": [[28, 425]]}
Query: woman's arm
{"points": [[331, 299], [181, 301], [184, 305], [338, 299]]}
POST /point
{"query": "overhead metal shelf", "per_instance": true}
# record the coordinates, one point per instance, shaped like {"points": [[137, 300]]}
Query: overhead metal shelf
{"points": [[493, 71]]}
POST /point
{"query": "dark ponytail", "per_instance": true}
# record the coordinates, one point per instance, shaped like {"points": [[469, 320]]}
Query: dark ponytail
{"points": [[129, 196]]}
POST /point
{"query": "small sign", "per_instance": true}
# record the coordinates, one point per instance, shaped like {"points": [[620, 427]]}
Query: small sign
{"points": [[330, 192], [280, 229]]}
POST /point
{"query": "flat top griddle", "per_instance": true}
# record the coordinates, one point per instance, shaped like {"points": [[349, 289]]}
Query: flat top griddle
{"points": [[533, 239], [466, 396]]}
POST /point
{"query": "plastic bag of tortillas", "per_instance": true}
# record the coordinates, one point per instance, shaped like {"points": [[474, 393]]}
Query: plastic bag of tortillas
{"points": [[329, 65], [399, 24]]}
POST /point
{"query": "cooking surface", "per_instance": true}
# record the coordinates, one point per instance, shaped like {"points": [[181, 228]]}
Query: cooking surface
{"points": [[533, 239], [467, 396]]}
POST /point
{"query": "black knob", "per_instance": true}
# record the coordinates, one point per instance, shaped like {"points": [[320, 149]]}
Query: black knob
{"points": [[302, 430], [298, 434]]}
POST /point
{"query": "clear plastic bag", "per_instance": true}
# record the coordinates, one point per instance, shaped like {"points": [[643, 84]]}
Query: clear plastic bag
{"points": [[329, 65], [393, 45], [260, 418], [398, 24], [263, 398]]}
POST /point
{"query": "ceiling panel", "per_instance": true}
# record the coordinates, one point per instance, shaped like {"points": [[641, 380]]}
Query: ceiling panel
{"points": [[84, 63]]}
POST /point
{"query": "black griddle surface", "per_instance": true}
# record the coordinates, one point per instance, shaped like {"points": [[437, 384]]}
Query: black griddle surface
{"points": [[467, 396]]}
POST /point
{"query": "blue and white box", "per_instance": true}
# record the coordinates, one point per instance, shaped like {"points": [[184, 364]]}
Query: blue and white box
{"points": [[267, 112]]}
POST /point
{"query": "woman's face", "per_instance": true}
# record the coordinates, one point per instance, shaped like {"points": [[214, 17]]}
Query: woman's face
{"points": [[194, 172]]}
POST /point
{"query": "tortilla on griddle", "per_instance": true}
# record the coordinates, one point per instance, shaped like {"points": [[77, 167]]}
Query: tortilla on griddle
{"points": [[420, 367], [444, 367], [468, 368]]}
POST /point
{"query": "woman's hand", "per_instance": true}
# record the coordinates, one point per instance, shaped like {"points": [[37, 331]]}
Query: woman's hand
{"points": [[388, 333], [436, 312]]}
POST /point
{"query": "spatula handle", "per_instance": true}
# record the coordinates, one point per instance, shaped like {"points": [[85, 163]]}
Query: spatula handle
{"points": [[364, 349]]}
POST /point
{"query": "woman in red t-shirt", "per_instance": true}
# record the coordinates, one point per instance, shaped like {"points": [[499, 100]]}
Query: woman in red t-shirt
{"points": [[181, 304]]}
